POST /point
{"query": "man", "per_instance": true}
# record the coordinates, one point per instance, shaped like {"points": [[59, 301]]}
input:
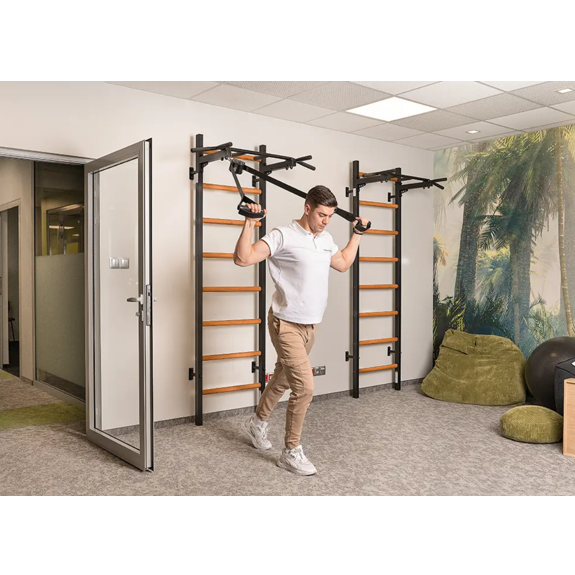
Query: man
{"points": [[300, 257]]}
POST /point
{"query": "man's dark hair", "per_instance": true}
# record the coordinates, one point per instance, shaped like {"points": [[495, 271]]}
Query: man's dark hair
{"points": [[320, 196]]}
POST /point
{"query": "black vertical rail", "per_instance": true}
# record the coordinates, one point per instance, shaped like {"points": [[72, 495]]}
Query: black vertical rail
{"points": [[199, 244], [397, 280], [262, 282], [355, 287]]}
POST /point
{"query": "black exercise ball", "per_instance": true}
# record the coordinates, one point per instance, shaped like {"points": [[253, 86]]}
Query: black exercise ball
{"points": [[540, 368]]}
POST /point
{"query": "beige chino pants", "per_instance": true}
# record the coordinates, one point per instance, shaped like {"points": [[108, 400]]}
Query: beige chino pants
{"points": [[293, 343]]}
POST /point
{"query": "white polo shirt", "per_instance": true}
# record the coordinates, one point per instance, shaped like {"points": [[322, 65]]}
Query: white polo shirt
{"points": [[299, 266]]}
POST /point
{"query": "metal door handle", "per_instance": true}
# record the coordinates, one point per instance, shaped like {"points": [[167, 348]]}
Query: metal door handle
{"points": [[139, 299]]}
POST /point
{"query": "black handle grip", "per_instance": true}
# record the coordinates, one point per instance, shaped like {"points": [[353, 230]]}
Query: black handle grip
{"points": [[247, 213], [308, 166], [362, 229]]}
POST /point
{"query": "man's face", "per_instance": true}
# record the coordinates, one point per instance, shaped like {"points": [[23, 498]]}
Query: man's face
{"points": [[319, 217]]}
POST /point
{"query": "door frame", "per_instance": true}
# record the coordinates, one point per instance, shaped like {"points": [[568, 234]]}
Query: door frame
{"points": [[34, 156], [4, 208]]}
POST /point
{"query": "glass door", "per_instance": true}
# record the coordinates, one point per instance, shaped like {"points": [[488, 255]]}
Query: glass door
{"points": [[119, 304]]}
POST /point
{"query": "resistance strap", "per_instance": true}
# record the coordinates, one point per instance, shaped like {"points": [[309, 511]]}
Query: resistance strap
{"points": [[237, 167]]}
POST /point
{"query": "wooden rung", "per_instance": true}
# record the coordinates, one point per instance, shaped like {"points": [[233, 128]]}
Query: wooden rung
{"points": [[214, 255], [231, 188], [231, 355], [231, 388], [228, 222], [377, 313], [244, 157], [232, 322], [366, 259], [372, 341], [382, 232], [386, 286], [242, 288], [378, 205], [361, 174], [378, 368]]}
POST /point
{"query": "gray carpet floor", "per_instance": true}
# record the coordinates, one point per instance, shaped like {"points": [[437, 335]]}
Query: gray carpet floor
{"points": [[384, 443]]}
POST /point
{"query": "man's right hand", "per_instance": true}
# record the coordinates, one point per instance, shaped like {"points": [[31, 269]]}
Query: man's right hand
{"points": [[256, 208]]}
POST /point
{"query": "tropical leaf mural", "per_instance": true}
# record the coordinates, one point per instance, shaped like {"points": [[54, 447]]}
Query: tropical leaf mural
{"points": [[504, 246]]}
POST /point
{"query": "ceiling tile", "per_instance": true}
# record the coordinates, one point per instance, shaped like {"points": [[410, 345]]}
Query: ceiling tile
{"points": [[508, 86], [394, 87], [236, 98], [546, 93], [446, 94], [344, 122], [533, 119], [340, 96], [434, 121], [486, 130], [293, 111], [388, 132], [177, 89], [504, 135], [428, 141], [568, 107], [279, 89], [494, 107]]}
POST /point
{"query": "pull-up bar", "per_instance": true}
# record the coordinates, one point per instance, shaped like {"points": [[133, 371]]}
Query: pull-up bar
{"points": [[227, 152]]}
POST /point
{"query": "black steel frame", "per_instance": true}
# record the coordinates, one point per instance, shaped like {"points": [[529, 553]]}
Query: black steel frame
{"points": [[400, 188]]}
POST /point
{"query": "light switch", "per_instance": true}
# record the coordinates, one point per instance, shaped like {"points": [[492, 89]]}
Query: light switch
{"points": [[114, 263], [125, 263]]}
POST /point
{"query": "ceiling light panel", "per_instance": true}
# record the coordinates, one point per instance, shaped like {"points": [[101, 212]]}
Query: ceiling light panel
{"points": [[340, 96], [391, 109], [446, 94]]}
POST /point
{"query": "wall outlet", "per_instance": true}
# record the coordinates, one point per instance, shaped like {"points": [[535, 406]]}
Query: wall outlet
{"points": [[318, 370], [269, 377]]}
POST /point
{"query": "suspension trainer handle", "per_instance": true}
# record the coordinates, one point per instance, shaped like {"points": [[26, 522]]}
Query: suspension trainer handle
{"points": [[351, 218], [237, 167]]}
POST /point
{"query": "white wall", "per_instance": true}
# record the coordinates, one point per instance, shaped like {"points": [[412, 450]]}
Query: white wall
{"points": [[16, 186], [94, 119]]}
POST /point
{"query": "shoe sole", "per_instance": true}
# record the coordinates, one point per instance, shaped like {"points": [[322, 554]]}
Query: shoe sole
{"points": [[287, 467], [247, 432]]}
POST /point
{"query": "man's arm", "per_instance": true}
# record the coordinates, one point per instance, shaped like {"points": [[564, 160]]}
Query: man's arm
{"points": [[246, 253], [342, 259]]}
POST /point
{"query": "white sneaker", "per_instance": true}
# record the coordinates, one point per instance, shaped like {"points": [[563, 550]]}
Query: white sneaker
{"points": [[258, 433], [295, 461]]}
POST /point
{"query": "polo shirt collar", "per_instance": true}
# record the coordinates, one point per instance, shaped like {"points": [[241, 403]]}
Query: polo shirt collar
{"points": [[303, 231]]}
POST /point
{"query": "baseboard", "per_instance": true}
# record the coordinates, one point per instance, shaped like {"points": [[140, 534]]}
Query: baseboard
{"points": [[281, 405]]}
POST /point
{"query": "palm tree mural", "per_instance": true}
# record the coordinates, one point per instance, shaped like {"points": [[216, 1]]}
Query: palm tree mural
{"points": [[510, 189]]}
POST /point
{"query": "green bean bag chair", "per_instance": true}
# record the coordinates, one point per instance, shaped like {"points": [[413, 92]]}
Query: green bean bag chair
{"points": [[532, 424], [477, 369]]}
